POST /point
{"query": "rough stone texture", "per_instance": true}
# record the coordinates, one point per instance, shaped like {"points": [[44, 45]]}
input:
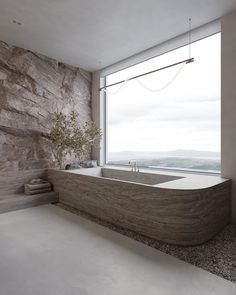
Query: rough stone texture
{"points": [[217, 256], [32, 87], [176, 216]]}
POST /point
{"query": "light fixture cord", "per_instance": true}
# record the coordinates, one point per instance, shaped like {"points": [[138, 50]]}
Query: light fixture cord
{"points": [[166, 85], [189, 36], [117, 90]]}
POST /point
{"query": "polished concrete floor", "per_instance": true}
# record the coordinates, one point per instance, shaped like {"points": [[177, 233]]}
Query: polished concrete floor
{"points": [[48, 251], [217, 256]]}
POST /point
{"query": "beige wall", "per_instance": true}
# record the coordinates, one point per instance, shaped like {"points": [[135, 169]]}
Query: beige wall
{"points": [[98, 115], [32, 87], [228, 98]]}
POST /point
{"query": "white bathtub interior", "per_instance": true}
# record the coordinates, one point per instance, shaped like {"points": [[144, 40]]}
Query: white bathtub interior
{"points": [[147, 178], [137, 177]]}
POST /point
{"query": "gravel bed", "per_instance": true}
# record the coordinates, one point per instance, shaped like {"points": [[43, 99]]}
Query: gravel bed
{"points": [[217, 256]]}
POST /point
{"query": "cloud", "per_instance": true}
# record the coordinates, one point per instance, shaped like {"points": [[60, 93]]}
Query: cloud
{"points": [[184, 115]]}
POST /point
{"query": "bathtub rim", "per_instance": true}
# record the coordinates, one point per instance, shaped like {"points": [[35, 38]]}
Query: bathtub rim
{"points": [[190, 182]]}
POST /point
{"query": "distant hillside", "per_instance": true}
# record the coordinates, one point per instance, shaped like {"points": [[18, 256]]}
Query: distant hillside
{"points": [[179, 159], [127, 155]]}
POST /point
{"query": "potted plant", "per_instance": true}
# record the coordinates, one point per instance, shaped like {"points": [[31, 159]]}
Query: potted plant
{"points": [[67, 136]]}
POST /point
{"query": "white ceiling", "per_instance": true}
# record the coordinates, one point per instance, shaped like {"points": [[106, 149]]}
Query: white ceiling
{"points": [[93, 34]]}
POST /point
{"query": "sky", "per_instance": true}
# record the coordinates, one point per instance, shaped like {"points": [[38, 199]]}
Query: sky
{"points": [[184, 115]]}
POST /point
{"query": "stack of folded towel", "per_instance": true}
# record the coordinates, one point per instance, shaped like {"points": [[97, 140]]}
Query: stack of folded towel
{"points": [[37, 186]]}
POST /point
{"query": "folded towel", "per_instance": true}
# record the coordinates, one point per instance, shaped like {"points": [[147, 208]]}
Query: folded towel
{"points": [[37, 186], [37, 181], [38, 191]]}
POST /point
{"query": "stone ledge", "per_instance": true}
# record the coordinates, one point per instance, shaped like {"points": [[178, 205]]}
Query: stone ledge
{"points": [[22, 132], [20, 201]]}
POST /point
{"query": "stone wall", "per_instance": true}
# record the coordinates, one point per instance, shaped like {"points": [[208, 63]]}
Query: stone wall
{"points": [[32, 87]]}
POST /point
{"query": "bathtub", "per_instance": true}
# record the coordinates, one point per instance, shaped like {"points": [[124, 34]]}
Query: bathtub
{"points": [[177, 208]]}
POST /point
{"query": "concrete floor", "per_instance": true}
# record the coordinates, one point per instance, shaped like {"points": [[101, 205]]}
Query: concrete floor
{"points": [[48, 251]]}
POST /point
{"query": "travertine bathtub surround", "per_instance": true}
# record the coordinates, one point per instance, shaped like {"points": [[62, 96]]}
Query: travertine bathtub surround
{"points": [[12, 196], [32, 87], [175, 215]]}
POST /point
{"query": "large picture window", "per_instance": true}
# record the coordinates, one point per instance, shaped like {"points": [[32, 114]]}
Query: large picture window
{"points": [[169, 119]]}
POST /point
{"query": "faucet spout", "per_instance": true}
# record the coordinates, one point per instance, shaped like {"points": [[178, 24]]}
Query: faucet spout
{"points": [[134, 165]]}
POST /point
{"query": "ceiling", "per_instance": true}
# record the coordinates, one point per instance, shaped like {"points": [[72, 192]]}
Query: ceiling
{"points": [[93, 34]]}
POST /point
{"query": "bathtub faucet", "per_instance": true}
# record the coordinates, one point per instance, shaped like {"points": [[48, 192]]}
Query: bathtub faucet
{"points": [[134, 166]]}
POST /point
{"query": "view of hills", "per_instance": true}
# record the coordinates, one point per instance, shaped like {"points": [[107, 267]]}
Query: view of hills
{"points": [[177, 159]]}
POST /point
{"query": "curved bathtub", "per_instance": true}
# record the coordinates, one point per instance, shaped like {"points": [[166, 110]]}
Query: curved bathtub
{"points": [[178, 208]]}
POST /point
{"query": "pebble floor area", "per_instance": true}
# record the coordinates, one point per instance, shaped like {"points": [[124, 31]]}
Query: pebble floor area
{"points": [[217, 256]]}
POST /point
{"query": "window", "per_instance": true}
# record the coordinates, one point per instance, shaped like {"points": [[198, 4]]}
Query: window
{"points": [[176, 127]]}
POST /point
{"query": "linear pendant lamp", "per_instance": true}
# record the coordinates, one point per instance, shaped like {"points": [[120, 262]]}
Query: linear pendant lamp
{"points": [[186, 61]]}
